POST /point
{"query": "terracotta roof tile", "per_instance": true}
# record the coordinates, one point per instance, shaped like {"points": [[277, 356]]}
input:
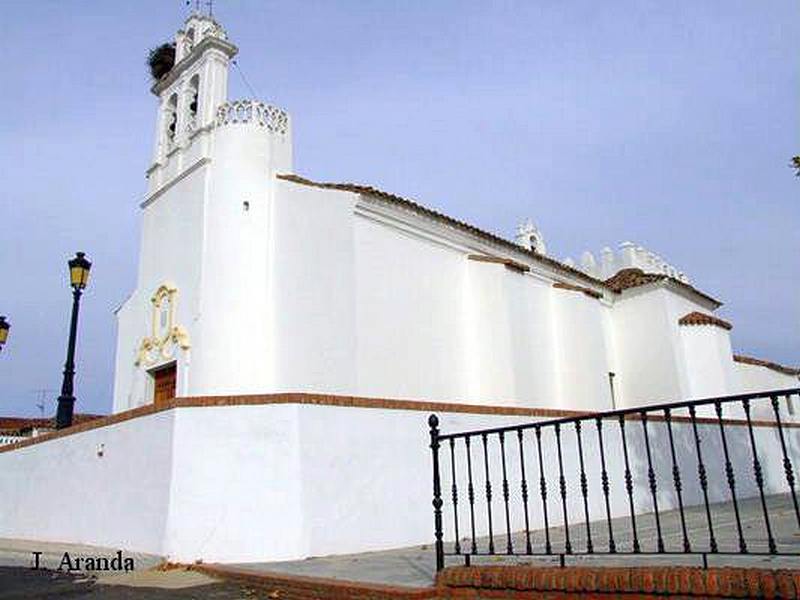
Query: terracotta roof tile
{"points": [[629, 278], [634, 277], [698, 318], [17, 424], [749, 360], [410, 204]]}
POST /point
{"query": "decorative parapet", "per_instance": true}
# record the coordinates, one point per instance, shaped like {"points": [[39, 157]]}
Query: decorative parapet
{"points": [[629, 256], [253, 112]]}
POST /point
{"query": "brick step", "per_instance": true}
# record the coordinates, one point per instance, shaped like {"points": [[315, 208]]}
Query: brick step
{"points": [[522, 581]]}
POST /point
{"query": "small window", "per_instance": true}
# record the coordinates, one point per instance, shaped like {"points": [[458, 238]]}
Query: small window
{"points": [[790, 405], [194, 90], [172, 117]]}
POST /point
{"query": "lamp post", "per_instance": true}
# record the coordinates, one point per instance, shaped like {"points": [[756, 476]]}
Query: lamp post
{"points": [[78, 278], [4, 327]]}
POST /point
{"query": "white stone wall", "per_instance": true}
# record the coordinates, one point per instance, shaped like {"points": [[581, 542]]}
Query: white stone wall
{"points": [[235, 343], [312, 287], [584, 351], [649, 369], [173, 226], [281, 482], [708, 354], [753, 378], [236, 489], [409, 310], [230, 484], [65, 491]]}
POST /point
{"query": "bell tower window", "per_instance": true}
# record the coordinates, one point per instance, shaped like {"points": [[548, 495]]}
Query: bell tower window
{"points": [[192, 94], [172, 118], [190, 80]]}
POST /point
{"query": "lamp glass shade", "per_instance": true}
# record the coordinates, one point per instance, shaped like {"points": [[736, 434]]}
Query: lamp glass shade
{"points": [[79, 271], [4, 327]]}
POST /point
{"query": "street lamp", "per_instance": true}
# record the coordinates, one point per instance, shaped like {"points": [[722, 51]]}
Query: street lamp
{"points": [[4, 327], [78, 278]]}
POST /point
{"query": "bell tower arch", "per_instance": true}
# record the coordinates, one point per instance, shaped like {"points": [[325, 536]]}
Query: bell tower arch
{"points": [[190, 92]]}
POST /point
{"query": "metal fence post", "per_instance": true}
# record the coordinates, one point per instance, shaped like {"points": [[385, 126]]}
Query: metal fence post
{"points": [[433, 422]]}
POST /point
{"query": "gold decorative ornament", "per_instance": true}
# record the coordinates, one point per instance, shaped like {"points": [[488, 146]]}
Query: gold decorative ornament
{"points": [[165, 333]]}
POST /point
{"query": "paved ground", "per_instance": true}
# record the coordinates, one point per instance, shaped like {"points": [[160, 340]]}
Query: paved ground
{"points": [[415, 566], [19, 580], [19, 553]]}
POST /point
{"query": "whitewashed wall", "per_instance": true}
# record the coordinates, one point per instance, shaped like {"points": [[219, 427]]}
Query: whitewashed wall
{"points": [[380, 496], [280, 482], [533, 338], [409, 314], [584, 352], [63, 491], [709, 358], [232, 351], [207, 233], [230, 484], [662, 361], [511, 337], [648, 368], [171, 247], [753, 378], [311, 307], [236, 490]]}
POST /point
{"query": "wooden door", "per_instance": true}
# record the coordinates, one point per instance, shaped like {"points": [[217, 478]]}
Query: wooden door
{"points": [[164, 384]]}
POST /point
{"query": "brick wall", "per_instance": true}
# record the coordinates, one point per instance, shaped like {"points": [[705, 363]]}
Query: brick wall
{"points": [[519, 581], [524, 582]]}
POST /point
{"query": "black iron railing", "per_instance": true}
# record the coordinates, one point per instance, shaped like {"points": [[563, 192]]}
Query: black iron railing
{"points": [[712, 476]]}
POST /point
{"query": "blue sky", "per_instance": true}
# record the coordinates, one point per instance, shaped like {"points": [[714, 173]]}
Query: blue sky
{"points": [[670, 124]]}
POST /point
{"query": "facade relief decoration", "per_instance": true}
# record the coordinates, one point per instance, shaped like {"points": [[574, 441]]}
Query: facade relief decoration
{"points": [[165, 334]]}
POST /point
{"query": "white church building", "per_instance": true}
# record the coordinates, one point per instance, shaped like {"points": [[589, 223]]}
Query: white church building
{"points": [[287, 340], [253, 279]]}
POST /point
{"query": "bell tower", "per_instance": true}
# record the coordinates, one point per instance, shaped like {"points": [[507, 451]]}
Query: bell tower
{"points": [[196, 322], [189, 95]]}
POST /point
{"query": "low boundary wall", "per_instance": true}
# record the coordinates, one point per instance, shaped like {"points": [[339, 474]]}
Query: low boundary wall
{"points": [[241, 478]]}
